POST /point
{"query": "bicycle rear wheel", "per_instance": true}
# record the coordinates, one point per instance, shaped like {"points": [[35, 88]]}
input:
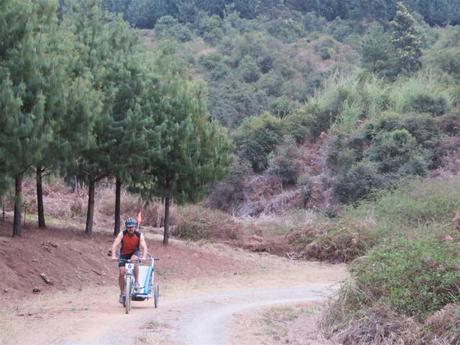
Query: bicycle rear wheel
{"points": [[128, 287], [156, 295]]}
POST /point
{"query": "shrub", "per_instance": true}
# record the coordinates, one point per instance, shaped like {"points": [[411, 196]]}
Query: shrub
{"points": [[335, 243], [396, 150], [210, 61], [447, 61], [285, 163], [417, 277], [286, 30], [419, 202], [325, 47], [249, 70], [297, 124], [305, 184], [257, 137], [423, 93], [357, 182], [427, 103], [282, 107], [228, 193], [211, 29], [197, 223], [265, 63], [169, 27]]}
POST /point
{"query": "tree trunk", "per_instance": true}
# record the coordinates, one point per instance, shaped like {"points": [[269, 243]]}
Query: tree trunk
{"points": [[17, 205], [166, 225], [90, 211], [41, 209], [3, 209], [116, 228]]}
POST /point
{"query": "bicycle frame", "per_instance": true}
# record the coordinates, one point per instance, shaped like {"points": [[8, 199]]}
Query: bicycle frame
{"points": [[129, 283]]}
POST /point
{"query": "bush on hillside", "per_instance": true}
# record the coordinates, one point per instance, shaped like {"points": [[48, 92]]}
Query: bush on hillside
{"points": [[358, 182], [211, 29], [199, 223], [335, 243], [396, 151], [168, 27], [210, 61], [227, 194], [285, 162], [249, 70], [417, 277], [297, 125], [257, 137], [427, 103]]}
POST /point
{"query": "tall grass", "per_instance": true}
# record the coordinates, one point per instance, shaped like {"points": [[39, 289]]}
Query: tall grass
{"points": [[419, 203], [405, 93]]}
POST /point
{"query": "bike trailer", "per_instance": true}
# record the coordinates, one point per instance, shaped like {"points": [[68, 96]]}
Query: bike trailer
{"points": [[145, 282]]}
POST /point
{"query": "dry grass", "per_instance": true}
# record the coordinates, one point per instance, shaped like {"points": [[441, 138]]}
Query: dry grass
{"points": [[380, 326], [196, 222], [443, 327]]}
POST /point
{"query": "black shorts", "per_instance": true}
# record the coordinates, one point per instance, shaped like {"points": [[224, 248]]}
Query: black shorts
{"points": [[121, 259]]}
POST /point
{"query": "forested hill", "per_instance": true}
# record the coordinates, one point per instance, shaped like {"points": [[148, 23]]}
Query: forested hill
{"points": [[332, 99], [145, 13]]}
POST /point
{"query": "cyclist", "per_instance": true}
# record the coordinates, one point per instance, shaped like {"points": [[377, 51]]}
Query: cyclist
{"points": [[132, 241]]}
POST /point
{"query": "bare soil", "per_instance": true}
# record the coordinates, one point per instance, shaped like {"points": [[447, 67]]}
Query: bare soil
{"points": [[79, 305]]}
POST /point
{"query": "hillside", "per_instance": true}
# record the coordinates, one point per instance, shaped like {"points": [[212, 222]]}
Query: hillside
{"points": [[317, 131]]}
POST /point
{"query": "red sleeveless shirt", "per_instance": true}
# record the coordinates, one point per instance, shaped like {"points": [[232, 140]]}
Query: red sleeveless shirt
{"points": [[130, 243]]}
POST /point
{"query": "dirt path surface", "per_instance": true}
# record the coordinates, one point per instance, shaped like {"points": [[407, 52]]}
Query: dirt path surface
{"points": [[202, 310]]}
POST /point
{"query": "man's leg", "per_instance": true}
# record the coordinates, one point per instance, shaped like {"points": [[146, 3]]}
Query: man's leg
{"points": [[121, 283], [121, 280], [135, 259]]}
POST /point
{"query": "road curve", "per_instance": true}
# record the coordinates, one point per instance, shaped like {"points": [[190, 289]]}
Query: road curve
{"points": [[199, 320]]}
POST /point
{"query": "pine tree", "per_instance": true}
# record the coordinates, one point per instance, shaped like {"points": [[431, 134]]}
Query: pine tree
{"points": [[26, 126], [109, 54], [192, 150], [406, 41]]}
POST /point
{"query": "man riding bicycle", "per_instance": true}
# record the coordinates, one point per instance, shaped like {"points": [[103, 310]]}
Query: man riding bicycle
{"points": [[131, 241]]}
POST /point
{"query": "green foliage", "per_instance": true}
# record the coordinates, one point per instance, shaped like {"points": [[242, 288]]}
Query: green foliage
{"points": [[423, 93], [282, 107], [297, 124], [285, 162], [257, 137], [396, 151], [211, 29], [286, 29], [446, 60], [325, 47], [193, 151], [406, 41], [249, 70], [377, 52], [417, 277], [168, 27], [381, 151], [417, 203], [228, 193], [357, 182]]}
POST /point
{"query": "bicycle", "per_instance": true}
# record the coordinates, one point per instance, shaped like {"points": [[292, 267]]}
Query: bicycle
{"points": [[149, 288]]}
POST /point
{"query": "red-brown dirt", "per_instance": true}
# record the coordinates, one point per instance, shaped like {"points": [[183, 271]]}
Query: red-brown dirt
{"points": [[72, 260]]}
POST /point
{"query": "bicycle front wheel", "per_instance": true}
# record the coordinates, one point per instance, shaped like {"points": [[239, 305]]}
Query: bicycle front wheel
{"points": [[128, 287]]}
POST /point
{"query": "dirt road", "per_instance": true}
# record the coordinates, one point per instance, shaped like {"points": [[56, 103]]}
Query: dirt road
{"points": [[197, 311]]}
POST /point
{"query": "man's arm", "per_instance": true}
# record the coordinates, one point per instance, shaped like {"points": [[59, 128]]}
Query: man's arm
{"points": [[143, 247], [115, 245]]}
